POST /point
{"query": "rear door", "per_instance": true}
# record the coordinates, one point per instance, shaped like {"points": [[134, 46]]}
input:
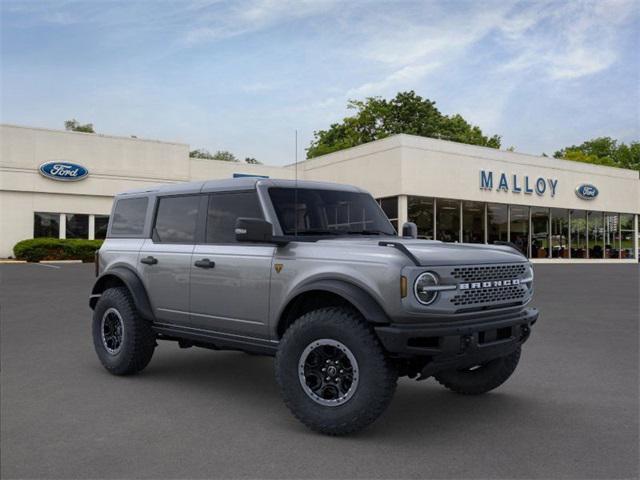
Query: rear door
{"points": [[230, 280], [165, 259]]}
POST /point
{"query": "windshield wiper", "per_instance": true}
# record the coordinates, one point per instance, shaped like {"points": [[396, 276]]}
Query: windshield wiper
{"points": [[367, 232], [318, 232]]}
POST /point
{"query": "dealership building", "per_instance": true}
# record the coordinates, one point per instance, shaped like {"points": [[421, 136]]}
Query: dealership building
{"points": [[61, 184]]}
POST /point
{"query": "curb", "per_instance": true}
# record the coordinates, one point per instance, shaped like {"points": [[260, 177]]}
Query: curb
{"points": [[8, 261], [60, 261]]}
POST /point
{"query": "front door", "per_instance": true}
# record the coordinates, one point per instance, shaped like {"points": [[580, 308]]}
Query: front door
{"points": [[230, 280], [166, 258]]}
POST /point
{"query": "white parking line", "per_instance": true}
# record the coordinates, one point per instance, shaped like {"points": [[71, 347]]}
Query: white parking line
{"points": [[46, 265]]}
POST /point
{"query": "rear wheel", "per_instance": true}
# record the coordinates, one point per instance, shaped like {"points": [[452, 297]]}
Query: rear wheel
{"points": [[480, 378], [122, 339], [333, 373]]}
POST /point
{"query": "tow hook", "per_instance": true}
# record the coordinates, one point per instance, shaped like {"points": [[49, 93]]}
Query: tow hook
{"points": [[465, 343]]}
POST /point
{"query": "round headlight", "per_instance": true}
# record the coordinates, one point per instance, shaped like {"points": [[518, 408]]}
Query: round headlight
{"points": [[423, 288]]}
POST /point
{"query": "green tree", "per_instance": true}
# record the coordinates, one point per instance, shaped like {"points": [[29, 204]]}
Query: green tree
{"points": [[201, 153], [252, 161], [377, 118], [222, 155], [604, 151], [74, 126]]}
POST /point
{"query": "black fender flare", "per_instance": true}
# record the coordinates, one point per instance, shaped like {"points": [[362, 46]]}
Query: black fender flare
{"points": [[133, 283], [363, 301]]}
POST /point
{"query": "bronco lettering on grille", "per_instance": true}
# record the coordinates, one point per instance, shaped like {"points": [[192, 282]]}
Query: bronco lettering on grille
{"points": [[491, 284]]}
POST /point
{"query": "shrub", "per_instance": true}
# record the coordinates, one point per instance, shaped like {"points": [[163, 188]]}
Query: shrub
{"points": [[36, 249]]}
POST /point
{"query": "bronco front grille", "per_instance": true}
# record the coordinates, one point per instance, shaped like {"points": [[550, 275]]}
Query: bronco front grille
{"points": [[486, 273], [508, 294], [481, 286]]}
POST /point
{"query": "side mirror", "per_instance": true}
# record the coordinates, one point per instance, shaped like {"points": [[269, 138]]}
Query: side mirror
{"points": [[409, 230], [253, 230]]}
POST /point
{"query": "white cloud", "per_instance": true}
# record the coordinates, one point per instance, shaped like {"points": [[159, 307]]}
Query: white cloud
{"points": [[258, 87], [249, 16], [565, 41], [400, 79]]}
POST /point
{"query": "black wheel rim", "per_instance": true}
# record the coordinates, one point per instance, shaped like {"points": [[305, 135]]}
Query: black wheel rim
{"points": [[328, 372], [112, 330]]}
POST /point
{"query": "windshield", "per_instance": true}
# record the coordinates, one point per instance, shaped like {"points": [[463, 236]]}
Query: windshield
{"points": [[328, 212]]}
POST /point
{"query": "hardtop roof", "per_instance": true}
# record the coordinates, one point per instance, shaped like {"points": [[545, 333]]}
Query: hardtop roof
{"points": [[231, 184]]}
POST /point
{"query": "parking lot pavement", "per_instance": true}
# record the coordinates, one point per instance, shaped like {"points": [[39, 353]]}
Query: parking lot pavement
{"points": [[570, 411]]}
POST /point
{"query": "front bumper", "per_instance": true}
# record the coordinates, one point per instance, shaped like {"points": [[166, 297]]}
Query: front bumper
{"points": [[459, 344]]}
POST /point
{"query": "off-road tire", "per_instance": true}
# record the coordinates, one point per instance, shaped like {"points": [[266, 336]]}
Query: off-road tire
{"points": [[377, 375], [481, 380], [138, 342]]}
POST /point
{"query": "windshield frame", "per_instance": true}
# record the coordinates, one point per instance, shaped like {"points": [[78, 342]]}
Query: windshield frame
{"points": [[382, 227]]}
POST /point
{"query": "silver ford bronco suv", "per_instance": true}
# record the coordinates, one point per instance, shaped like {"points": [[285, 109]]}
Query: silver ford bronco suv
{"points": [[315, 275]]}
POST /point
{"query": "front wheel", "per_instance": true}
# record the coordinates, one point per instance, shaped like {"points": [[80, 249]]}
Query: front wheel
{"points": [[333, 373], [480, 378]]}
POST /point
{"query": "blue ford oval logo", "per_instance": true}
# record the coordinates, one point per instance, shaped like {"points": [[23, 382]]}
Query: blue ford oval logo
{"points": [[586, 191], [63, 171]]}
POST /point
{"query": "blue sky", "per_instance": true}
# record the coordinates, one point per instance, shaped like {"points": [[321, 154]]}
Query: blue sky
{"points": [[242, 76]]}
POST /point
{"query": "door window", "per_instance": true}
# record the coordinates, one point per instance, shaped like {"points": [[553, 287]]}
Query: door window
{"points": [[224, 209], [176, 219]]}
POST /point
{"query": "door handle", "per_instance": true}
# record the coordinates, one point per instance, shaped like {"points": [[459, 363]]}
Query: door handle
{"points": [[149, 260], [205, 263]]}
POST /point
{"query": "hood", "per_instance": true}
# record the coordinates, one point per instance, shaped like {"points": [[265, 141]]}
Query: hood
{"points": [[432, 253]]}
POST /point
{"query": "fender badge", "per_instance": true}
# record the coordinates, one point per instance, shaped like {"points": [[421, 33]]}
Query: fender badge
{"points": [[278, 267]]}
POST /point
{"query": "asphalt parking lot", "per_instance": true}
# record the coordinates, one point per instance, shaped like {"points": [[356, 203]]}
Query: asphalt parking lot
{"points": [[570, 411]]}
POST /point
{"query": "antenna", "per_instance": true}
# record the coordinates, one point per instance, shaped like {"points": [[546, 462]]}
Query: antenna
{"points": [[295, 191]]}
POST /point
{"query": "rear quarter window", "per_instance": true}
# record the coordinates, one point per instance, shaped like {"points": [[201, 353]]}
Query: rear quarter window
{"points": [[128, 217]]}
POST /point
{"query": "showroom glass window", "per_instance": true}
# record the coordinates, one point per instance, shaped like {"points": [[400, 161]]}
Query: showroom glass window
{"points": [[520, 228], [559, 233], [473, 222], [224, 209], [77, 226], [46, 225], [611, 235], [626, 235], [389, 206], [595, 237], [540, 232], [100, 226], [447, 220], [176, 219], [420, 212], [578, 234], [497, 222]]}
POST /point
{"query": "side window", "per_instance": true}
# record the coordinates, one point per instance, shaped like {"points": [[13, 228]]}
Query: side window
{"points": [[176, 219], [128, 216], [224, 209]]}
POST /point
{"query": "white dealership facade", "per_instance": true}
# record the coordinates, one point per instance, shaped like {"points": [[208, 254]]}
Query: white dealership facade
{"points": [[553, 210]]}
